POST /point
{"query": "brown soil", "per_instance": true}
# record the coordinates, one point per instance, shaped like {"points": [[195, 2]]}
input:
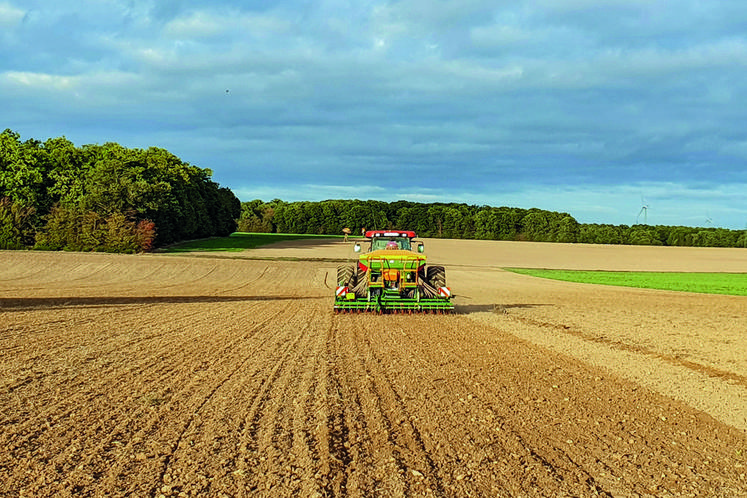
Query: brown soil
{"points": [[225, 376]]}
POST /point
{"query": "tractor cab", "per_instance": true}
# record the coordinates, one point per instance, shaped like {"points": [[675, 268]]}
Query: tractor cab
{"points": [[390, 240]]}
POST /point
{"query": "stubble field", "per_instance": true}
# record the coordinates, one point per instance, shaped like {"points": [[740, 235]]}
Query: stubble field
{"points": [[226, 376]]}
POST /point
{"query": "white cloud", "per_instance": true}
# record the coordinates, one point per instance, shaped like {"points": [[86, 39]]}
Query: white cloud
{"points": [[576, 5], [113, 80], [195, 25], [602, 66], [502, 35], [239, 25], [40, 81], [657, 61], [72, 98], [10, 16]]}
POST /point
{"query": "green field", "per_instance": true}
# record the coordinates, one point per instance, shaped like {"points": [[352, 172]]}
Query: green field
{"points": [[734, 284], [239, 241]]}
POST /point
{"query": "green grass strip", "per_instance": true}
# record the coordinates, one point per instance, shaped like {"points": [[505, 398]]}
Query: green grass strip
{"points": [[239, 241], [733, 284]]}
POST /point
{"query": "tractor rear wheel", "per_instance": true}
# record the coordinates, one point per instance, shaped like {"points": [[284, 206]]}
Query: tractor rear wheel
{"points": [[345, 275], [361, 283], [436, 276]]}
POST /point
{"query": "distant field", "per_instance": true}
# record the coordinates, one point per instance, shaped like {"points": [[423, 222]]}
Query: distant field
{"points": [[239, 241], [734, 284]]}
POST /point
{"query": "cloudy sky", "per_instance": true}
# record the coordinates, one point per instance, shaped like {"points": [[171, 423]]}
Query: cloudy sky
{"points": [[593, 107]]}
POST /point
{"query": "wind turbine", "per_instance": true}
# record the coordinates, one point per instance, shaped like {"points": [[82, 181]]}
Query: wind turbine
{"points": [[644, 211], [709, 220]]}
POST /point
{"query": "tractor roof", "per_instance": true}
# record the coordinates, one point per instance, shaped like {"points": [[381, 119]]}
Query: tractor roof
{"points": [[390, 233]]}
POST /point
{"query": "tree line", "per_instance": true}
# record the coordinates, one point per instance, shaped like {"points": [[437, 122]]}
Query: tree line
{"points": [[54, 195], [463, 221]]}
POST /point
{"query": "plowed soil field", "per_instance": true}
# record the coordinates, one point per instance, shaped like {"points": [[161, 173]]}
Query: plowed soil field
{"points": [[229, 375]]}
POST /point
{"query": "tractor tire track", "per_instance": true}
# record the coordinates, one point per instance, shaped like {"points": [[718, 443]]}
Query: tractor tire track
{"points": [[410, 468]]}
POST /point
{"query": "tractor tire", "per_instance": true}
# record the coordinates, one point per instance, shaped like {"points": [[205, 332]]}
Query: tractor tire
{"points": [[345, 275], [361, 283], [436, 276]]}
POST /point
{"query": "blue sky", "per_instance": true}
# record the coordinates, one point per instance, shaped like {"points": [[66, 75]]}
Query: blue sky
{"points": [[591, 107]]}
